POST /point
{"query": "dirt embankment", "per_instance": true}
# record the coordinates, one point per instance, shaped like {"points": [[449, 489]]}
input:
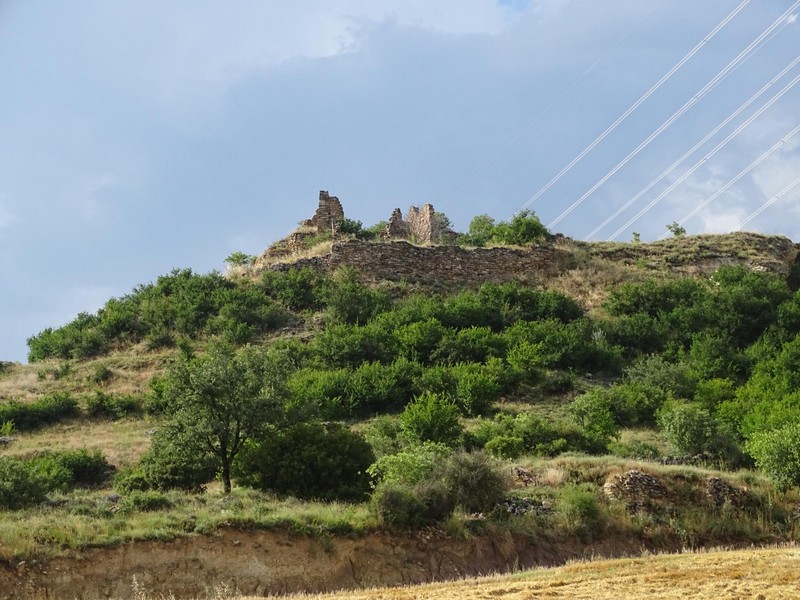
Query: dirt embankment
{"points": [[265, 562]]}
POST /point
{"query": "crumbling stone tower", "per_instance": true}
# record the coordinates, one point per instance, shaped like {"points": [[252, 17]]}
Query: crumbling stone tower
{"points": [[419, 226], [329, 214]]}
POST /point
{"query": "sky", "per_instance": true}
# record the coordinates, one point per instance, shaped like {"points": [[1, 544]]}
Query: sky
{"points": [[139, 136]]}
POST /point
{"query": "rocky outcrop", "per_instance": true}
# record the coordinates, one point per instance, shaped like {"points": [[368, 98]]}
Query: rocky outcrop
{"points": [[637, 490]]}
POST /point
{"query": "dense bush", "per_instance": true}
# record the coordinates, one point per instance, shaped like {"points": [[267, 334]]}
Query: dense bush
{"points": [[84, 468], [179, 304], [474, 481], [523, 229], [510, 436], [308, 460], [777, 453], [689, 428], [177, 459], [44, 411], [26, 482], [411, 465], [581, 510], [297, 289], [113, 406], [432, 418], [20, 485]]}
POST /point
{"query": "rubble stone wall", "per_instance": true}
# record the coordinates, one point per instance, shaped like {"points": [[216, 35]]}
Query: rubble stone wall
{"points": [[441, 265]]}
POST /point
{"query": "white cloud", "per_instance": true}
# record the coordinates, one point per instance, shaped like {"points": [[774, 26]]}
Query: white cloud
{"points": [[188, 53]]}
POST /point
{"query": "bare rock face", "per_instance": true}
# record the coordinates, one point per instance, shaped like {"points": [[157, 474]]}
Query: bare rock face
{"points": [[636, 489], [329, 213]]}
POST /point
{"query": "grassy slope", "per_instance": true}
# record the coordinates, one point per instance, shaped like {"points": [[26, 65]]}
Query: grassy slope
{"points": [[124, 441]]}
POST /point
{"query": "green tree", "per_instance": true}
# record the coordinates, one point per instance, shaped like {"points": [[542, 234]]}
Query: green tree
{"points": [[689, 428], [523, 229], [239, 259], [224, 398], [676, 229], [777, 453]]}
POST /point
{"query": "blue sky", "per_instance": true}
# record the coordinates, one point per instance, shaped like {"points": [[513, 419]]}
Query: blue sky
{"points": [[137, 136]]}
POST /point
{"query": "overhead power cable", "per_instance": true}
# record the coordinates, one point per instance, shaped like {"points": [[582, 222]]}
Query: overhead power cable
{"points": [[699, 144], [736, 179], [767, 204], [636, 104], [715, 81], [554, 102]]}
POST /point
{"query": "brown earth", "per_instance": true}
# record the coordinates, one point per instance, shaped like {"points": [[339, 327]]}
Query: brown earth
{"points": [[268, 562]]}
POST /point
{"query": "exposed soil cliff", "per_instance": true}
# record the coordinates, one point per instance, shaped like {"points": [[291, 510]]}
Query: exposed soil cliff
{"points": [[263, 562]]}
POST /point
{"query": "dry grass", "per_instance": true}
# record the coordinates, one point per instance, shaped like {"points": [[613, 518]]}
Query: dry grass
{"points": [[131, 372], [757, 574], [321, 249], [122, 442]]}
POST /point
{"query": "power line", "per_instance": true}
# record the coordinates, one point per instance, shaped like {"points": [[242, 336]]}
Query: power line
{"points": [[699, 144], [555, 101], [736, 179], [636, 104], [767, 204], [715, 81]]}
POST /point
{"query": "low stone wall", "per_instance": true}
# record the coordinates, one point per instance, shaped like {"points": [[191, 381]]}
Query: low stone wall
{"points": [[440, 265], [401, 261]]}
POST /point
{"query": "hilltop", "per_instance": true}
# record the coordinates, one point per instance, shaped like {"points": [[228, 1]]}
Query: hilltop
{"points": [[499, 398]]}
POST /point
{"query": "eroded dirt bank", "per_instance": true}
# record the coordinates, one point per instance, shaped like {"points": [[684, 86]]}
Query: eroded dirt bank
{"points": [[267, 562]]}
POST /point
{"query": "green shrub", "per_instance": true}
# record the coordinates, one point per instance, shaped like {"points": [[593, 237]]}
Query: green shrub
{"points": [[145, 501], [85, 468], [101, 374], [593, 413], [409, 466], [777, 453], [352, 302], [420, 340], [44, 411], [398, 506], [470, 345], [113, 406], [505, 446], [580, 510], [308, 460], [432, 418], [177, 459], [20, 486], [689, 428], [474, 481]]}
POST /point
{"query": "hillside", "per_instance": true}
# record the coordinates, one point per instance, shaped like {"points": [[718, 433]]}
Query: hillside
{"points": [[503, 394]]}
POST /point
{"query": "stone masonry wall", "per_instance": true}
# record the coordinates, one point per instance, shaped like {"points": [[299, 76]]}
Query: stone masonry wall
{"points": [[441, 265], [422, 224], [329, 213]]}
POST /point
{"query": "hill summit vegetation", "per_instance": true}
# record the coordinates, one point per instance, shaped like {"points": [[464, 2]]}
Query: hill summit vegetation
{"points": [[409, 406]]}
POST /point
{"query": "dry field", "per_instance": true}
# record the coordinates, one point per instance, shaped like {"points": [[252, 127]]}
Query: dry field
{"points": [[763, 574]]}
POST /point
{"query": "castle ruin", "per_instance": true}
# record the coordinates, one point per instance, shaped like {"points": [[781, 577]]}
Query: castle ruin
{"points": [[328, 216]]}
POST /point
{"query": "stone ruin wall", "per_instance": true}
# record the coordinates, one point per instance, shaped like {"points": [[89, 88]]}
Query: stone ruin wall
{"points": [[441, 265], [329, 214], [419, 226]]}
